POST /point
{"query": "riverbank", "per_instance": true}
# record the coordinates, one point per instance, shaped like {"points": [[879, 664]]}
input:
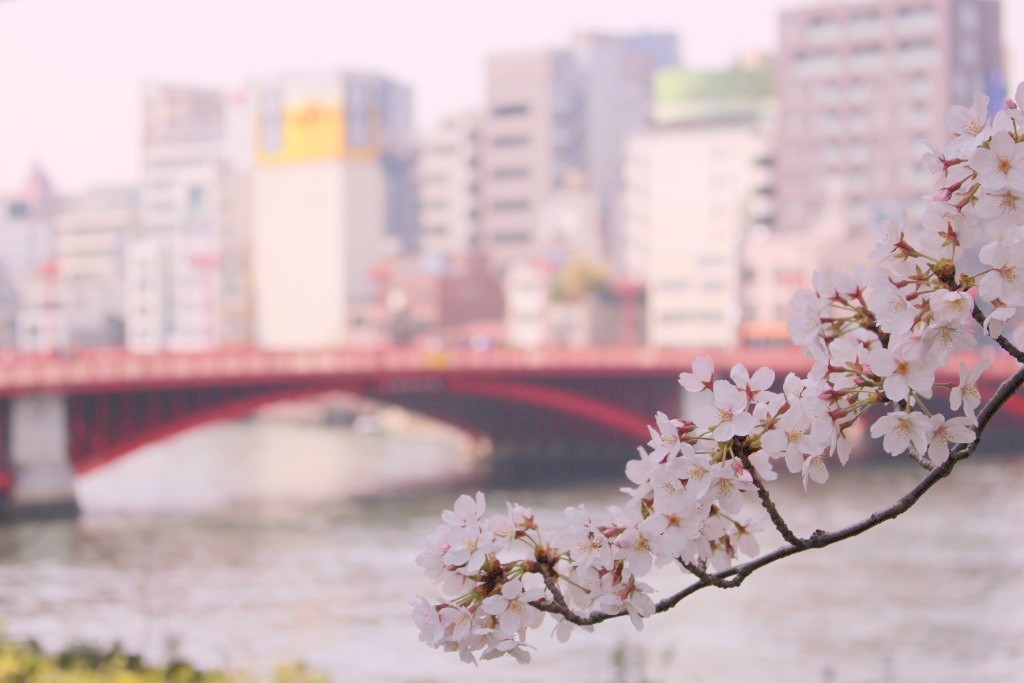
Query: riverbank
{"points": [[28, 663]]}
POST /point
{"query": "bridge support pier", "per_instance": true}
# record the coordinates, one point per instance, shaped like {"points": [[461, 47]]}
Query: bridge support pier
{"points": [[40, 458]]}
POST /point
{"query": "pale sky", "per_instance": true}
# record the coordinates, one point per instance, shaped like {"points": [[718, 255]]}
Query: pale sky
{"points": [[71, 70]]}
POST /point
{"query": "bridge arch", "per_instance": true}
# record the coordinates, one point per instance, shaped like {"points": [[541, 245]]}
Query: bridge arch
{"points": [[103, 428]]}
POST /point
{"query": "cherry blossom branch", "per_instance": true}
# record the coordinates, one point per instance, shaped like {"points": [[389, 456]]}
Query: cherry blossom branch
{"points": [[876, 337], [922, 460], [767, 503], [733, 577]]}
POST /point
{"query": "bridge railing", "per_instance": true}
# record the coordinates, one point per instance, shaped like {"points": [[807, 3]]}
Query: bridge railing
{"points": [[21, 373]]}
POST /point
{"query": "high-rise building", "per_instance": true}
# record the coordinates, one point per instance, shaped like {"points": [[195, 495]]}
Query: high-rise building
{"points": [[30, 310], [532, 140], [617, 74], [553, 117], [193, 206], [695, 187], [324, 191], [447, 178], [92, 233], [860, 84]]}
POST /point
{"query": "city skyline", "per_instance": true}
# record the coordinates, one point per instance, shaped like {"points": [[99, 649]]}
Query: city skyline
{"points": [[82, 76]]}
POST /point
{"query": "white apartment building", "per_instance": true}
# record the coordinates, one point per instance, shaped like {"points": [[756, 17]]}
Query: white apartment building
{"points": [[447, 179], [860, 84], [92, 233], [527, 305], [690, 197], [193, 209], [532, 139], [569, 224], [554, 114], [26, 261], [322, 197], [616, 72]]}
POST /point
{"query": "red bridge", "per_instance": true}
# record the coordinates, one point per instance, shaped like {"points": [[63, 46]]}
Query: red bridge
{"points": [[99, 405]]}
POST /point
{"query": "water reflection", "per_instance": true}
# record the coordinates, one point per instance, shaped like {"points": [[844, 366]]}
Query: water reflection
{"points": [[248, 544]]}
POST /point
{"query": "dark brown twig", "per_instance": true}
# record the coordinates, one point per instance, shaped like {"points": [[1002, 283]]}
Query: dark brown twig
{"points": [[768, 504]]}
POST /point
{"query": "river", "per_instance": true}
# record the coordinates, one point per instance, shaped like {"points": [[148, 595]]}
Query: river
{"points": [[251, 543]]}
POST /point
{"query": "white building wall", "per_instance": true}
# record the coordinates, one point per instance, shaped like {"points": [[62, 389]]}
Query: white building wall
{"points": [[527, 300], [448, 184], [688, 205], [147, 302], [318, 227]]}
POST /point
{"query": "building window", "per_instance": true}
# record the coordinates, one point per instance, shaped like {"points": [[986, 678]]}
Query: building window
{"points": [[510, 141], [918, 53], [867, 58], [196, 198], [507, 173], [511, 205], [916, 19], [516, 237], [677, 285], [510, 110]]}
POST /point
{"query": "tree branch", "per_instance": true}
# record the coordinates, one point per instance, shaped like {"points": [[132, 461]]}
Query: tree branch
{"points": [[1003, 342], [768, 504], [922, 460], [730, 578]]}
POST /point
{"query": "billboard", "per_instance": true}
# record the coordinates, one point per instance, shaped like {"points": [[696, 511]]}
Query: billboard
{"points": [[313, 119]]}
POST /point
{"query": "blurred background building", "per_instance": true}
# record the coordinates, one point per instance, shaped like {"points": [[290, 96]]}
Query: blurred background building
{"points": [[331, 190], [187, 273], [601, 193]]}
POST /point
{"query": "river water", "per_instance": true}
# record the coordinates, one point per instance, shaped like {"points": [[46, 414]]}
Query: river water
{"points": [[252, 543]]}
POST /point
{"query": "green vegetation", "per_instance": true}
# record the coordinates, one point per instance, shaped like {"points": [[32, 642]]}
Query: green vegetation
{"points": [[27, 663]]}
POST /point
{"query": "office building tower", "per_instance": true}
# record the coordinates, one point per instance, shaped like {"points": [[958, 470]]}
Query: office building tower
{"points": [[92, 233], [193, 208], [860, 85], [323, 191], [448, 184], [695, 187]]}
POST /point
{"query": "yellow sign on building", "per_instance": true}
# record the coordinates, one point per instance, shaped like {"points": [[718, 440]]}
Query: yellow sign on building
{"points": [[295, 127]]}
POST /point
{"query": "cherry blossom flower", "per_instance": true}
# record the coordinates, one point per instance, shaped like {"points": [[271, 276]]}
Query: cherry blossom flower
{"points": [[997, 320], [671, 527], [902, 371], [1005, 279], [728, 486], [500, 643], [947, 306], [1001, 166], [700, 378], [942, 432], [752, 386], [970, 124], [665, 441], [427, 620], [893, 312], [466, 512], [792, 439], [815, 469], [900, 430], [634, 547], [804, 323], [1002, 208], [458, 621], [512, 607], [728, 417], [966, 392]]}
